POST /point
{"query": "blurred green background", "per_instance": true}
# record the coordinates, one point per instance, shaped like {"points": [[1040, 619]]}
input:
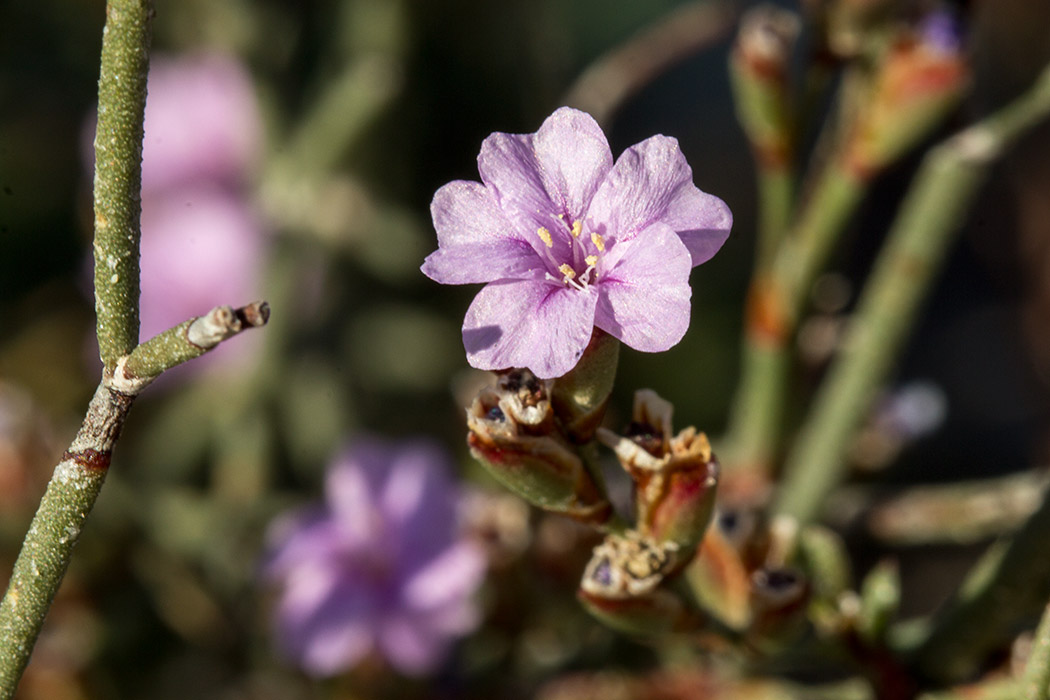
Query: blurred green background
{"points": [[162, 599]]}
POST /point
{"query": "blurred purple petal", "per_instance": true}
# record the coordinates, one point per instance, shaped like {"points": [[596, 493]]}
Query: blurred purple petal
{"points": [[381, 568], [201, 247], [202, 122]]}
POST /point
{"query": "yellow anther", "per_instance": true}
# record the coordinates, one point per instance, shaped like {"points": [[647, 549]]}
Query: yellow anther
{"points": [[591, 260], [598, 242], [577, 228], [545, 235], [567, 271]]}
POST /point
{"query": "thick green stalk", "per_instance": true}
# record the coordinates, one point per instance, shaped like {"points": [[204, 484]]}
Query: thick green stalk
{"points": [[804, 253], [118, 174], [75, 485], [128, 366], [776, 302], [48, 545], [918, 241], [776, 187]]}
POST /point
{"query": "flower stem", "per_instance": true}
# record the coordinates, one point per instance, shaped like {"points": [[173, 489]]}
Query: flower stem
{"points": [[118, 174], [918, 240], [776, 186], [777, 297]]}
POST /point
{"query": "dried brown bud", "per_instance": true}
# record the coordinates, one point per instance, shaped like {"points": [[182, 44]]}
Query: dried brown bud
{"points": [[675, 477], [512, 433], [622, 585]]}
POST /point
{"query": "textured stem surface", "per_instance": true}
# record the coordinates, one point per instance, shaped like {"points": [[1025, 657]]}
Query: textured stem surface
{"points": [[48, 545], [118, 174]]}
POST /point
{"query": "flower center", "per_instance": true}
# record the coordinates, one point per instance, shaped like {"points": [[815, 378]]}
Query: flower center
{"points": [[581, 268]]}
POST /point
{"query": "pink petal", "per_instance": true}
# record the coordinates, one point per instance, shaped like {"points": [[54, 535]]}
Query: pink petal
{"points": [[475, 241], [350, 489], [335, 649], [645, 296], [201, 247], [573, 157], [508, 167], [529, 323], [701, 220], [652, 183], [410, 646], [298, 539], [202, 121], [454, 575]]}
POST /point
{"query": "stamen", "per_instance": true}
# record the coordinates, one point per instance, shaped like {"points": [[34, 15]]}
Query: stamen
{"points": [[598, 242], [577, 228], [591, 260], [567, 271], [545, 236]]}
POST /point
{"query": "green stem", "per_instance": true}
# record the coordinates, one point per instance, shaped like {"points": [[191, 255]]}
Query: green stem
{"points": [[1008, 584], [118, 174], [918, 240], [755, 422], [803, 255], [1035, 684], [776, 186], [48, 545], [756, 418]]}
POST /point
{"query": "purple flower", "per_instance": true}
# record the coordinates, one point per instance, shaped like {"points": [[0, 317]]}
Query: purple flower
{"points": [[379, 567], [567, 240]]}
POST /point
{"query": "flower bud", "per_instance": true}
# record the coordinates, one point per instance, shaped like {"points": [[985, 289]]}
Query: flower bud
{"points": [[920, 78], [512, 433], [580, 397], [778, 607], [880, 599], [759, 74], [621, 585], [674, 477]]}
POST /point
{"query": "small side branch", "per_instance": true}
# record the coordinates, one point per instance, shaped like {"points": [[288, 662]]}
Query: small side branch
{"points": [[614, 77], [186, 341]]}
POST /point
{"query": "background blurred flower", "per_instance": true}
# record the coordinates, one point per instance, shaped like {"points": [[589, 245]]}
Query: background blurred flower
{"points": [[202, 122], [203, 242], [379, 566], [568, 240]]}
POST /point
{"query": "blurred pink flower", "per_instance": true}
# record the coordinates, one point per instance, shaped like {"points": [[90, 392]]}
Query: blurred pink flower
{"points": [[379, 566], [202, 122], [202, 246]]}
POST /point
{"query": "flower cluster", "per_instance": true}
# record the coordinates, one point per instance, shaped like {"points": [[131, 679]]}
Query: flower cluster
{"points": [[566, 240], [379, 567]]}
